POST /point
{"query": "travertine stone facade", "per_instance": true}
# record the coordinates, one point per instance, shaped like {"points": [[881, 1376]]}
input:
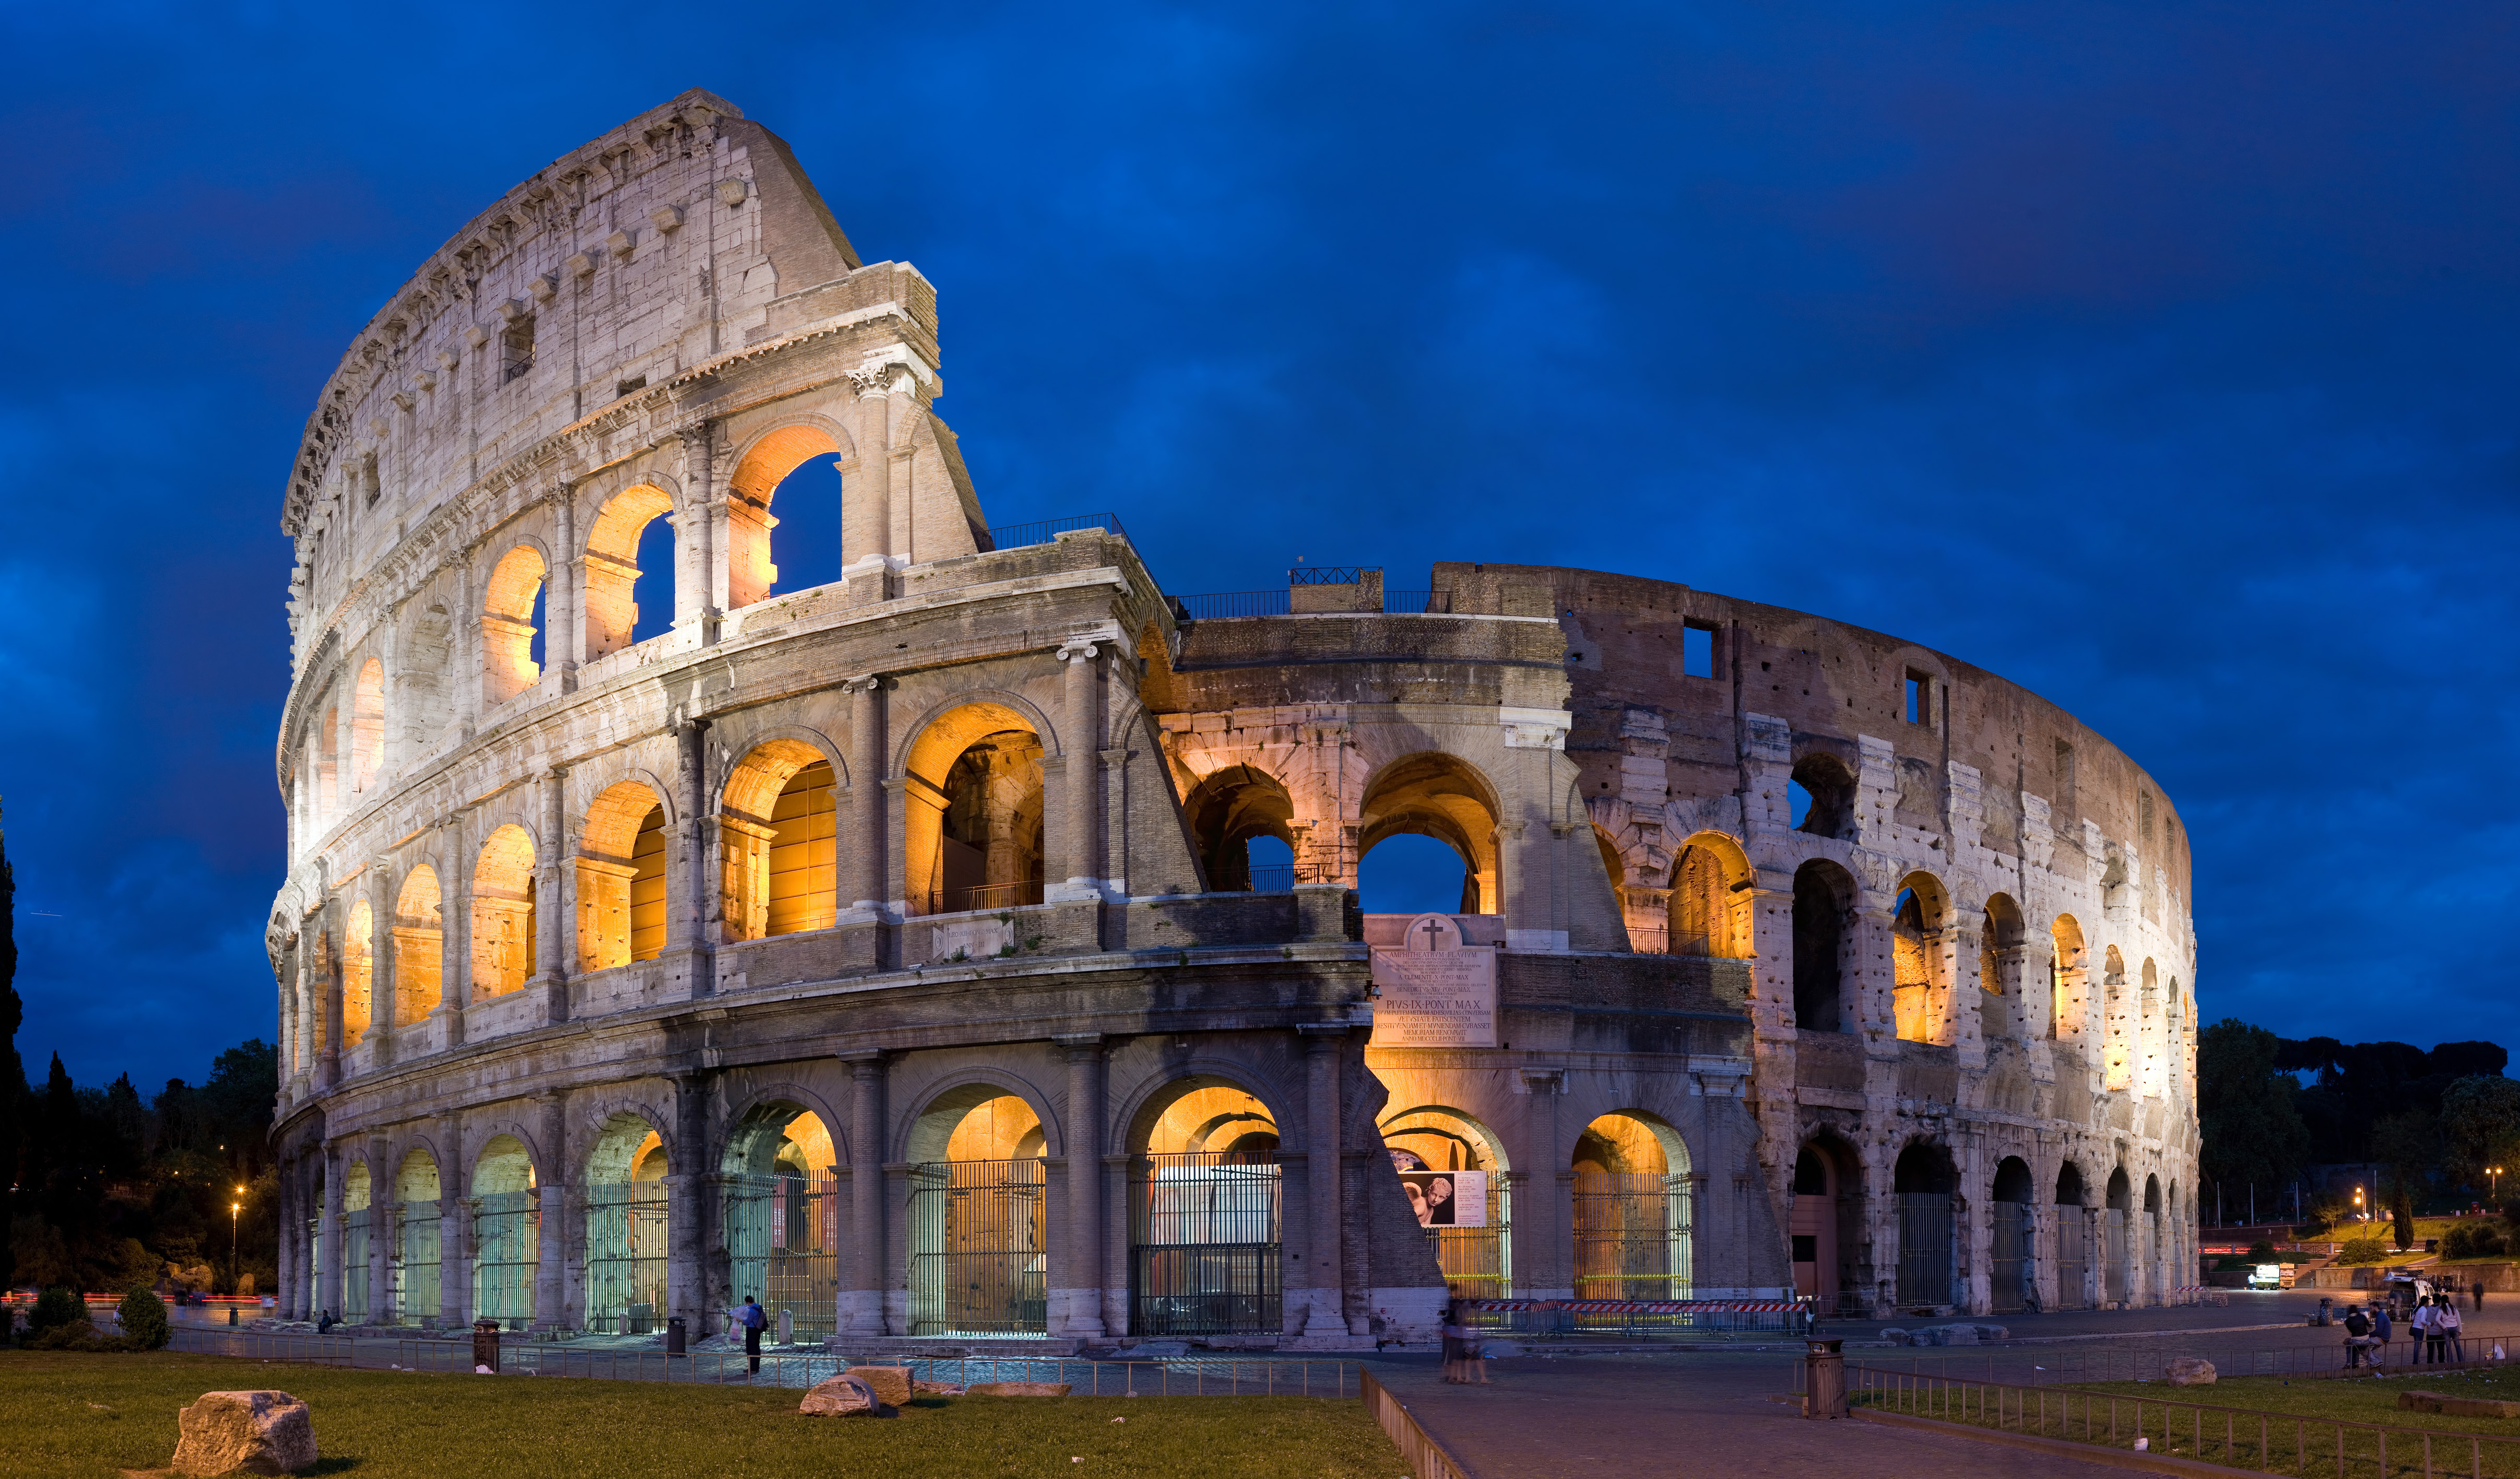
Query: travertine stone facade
{"points": [[895, 948]]}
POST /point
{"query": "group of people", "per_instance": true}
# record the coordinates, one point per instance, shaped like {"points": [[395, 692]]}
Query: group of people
{"points": [[2434, 1326]]}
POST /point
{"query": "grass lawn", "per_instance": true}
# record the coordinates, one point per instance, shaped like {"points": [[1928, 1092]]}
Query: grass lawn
{"points": [[2360, 1399], [74, 1417]]}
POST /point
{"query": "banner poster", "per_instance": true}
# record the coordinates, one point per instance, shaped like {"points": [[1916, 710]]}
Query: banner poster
{"points": [[1435, 998], [1447, 1198]]}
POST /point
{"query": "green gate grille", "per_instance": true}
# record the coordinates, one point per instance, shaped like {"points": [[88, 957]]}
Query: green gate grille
{"points": [[1205, 1256], [783, 1245], [626, 1234], [976, 1260], [507, 1247]]}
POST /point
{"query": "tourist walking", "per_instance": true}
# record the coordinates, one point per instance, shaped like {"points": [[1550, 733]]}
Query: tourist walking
{"points": [[753, 1318], [2358, 1335], [1464, 1362]]}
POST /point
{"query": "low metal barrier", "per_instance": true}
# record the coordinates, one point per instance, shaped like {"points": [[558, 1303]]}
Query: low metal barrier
{"points": [[1427, 1457], [1043, 530], [264, 1345], [1637, 1319], [2205, 1432]]}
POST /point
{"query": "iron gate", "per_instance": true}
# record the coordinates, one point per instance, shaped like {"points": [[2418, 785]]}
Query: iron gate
{"points": [[2009, 1267], [1204, 1251], [626, 1229], [1479, 1262], [415, 1282], [1632, 1235], [1924, 1247], [2113, 1253], [977, 1265], [354, 1266], [782, 1241], [314, 1290], [507, 1247], [2073, 1257]]}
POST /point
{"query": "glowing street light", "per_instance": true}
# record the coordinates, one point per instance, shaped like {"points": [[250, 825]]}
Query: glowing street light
{"points": [[2359, 1213], [234, 1208], [2497, 1173]]}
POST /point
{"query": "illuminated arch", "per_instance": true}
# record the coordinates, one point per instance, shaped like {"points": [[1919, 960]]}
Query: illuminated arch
{"points": [[612, 570], [758, 471], [2068, 980], [1919, 993], [358, 975], [777, 824], [1445, 797], [508, 663], [367, 725], [971, 825], [621, 878], [420, 947], [503, 913], [1710, 898]]}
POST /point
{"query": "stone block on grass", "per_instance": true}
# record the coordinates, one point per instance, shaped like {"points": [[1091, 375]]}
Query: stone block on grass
{"points": [[2456, 1406], [890, 1383], [244, 1432], [1018, 1389], [843, 1396], [2190, 1370]]}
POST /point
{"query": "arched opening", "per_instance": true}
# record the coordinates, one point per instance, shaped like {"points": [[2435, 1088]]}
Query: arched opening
{"points": [[2073, 1241], [512, 619], [1470, 1218], [506, 1232], [2001, 1007], [367, 725], [626, 1228], [623, 562], [1206, 1211], [1823, 897], [327, 770], [779, 825], [788, 467], [1827, 805], [1923, 1181], [1917, 1002], [621, 878], [2068, 981], [1710, 884], [358, 975], [782, 1216], [2011, 1269], [1435, 795], [1230, 811], [415, 1271], [2117, 1050], [2149, 1254], [420, 947], [503, 913], [1826, 1224], [2149, 1036], [2117, 1237], [358, 1223], [1632, 1210], [978, 1264], [972, 811]]}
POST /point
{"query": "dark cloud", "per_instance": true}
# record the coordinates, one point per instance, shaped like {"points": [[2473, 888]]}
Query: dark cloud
{"points": [[2159, 358]]}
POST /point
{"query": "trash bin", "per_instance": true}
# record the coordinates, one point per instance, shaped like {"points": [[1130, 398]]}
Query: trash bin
{"points": [[1825, 1379], [486, 1345], [673, 1334]]}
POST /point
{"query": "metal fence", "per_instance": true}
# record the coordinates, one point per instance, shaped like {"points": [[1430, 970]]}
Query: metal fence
{"points": [[1573, 1320], [1427, 1457], [783, 1240], [354, 1257], [1204, 1256], [2234, 1437], [506, 1246], [1632, 1235], [976, 1260], [1418, 602], [1223, 606], [628, 1233], [1042, 531], [414, 1274], [1479, 1262]]}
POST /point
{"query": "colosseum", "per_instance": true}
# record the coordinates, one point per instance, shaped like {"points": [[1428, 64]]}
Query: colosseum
{"points": [[967, 948]]}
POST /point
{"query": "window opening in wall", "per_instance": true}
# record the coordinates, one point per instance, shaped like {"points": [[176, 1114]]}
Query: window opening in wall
{"points": [[781, 1214], [1698, 650], [1412, 875], [803, 883], [1920, 698], [805, 538], [1437, 797], [1239, 820], [977, 1223], [1798, 803], [1821, 893], [516, 349], [1922, 1183], [2144, 817], [631, 386], [2064, 773], [1829, 786], [1205, 1214], [656, 581], [647, 887], [630, 571]]}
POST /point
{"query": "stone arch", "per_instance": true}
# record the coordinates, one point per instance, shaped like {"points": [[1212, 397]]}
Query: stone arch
{"points": [[1832, 787], [1919, 926], [2068, 980], [424, 667], [2013, 1273], [1229, 807], [760, 467], [1633, 1232], [2073, 1238], [503, 913], [1924, 1182], [978, 1229], [1825, 1226], [2117, 1237], [418, 945], [1205, 1207], [1825, 949], [1429, 1145], [926, 1133], [358, 974], [972, 807], [506, 1234], [367, 725], [781, 1209], [508, 665], [2117, 1048], [777, 822], [623, 876], [2003, 1011], [1710, 898], [1439, 795], [628, 1228], [2151, 1062], [613, 572]]}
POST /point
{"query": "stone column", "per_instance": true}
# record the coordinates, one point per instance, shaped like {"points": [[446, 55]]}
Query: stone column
{"points": [[453, 1230], [563, 598], [700, 579], [380, 1271], [687, 958], [287, 1271], [330, 1287], [554, 908], [381, 958], [1542, 1205], [866, 511], [455, 913], [687, 1211], [333, 986], [862, 883], [551, 1194], [862, 1280], [1323, 1046], [1078, 1307], [1082, 774]]}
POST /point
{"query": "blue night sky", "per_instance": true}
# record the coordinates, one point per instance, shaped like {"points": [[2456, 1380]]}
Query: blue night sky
{"points": [[2161, 358]]}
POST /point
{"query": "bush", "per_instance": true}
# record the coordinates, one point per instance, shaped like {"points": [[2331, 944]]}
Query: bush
{"points": [[2263, 1251], [2459, 1241], [75, 1335], [56, 1307], [2366, 1249], [144, 1320]]}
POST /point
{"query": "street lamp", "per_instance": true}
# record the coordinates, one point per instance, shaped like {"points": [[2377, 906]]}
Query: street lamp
{"points": [[2497, 1173], [2358, 1214], [234, 1208]]}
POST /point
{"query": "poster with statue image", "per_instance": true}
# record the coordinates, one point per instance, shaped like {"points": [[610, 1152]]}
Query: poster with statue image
{"points": [[1447, 1198]]}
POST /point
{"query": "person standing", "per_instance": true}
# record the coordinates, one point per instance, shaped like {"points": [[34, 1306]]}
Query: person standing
{"points": [[2446, 1327], [2480, 1293], [753, 1318], [1464, 1361], [2419, 1332], [2358, 1335], [2380, 1332]]}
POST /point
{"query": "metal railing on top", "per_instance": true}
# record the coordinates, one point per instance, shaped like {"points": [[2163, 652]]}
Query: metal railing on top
{"points": [[1224, 606], [1306, 576], [983, 897], [2205, 1432], [1042, 531]]}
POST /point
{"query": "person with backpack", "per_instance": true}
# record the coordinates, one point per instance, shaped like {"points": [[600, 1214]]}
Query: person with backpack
{"points": [[752, 1317]]}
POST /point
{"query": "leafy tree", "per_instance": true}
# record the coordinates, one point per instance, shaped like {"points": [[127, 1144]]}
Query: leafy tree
{"points": [[144, 1320], [2481, 1125], [237, 1103], [56, 1306], [2404, 1144], [2246, 1107]]}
